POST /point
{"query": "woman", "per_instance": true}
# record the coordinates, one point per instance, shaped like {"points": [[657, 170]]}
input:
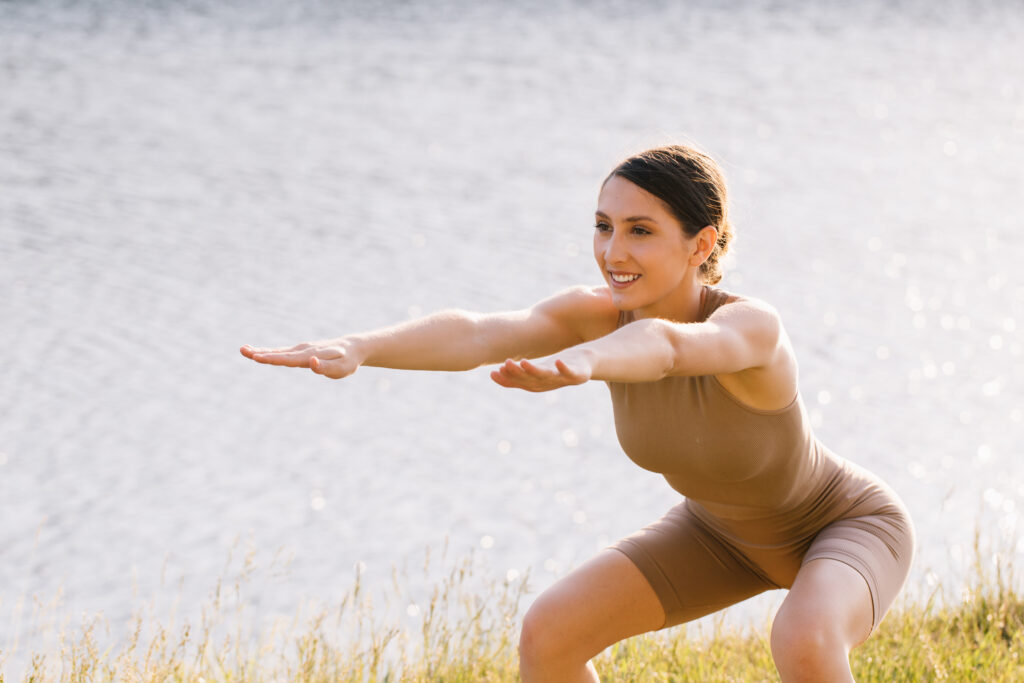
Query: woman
{"points": [[704, 390]]}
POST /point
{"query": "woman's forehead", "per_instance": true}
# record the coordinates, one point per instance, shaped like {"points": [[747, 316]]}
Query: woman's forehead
{"points": [[621, 199]]}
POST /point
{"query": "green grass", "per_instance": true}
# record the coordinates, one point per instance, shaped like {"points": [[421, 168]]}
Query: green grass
{"points": [[467, 632]]}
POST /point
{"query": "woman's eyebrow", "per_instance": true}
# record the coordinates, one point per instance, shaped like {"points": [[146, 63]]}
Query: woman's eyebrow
{"points": [[631, 219]]}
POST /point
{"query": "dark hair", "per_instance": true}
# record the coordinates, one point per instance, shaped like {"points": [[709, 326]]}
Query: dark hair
{"points": [[692, 185]]}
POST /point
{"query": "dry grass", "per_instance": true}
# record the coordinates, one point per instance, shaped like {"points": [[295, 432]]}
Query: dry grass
{"points": [[469, 634]]}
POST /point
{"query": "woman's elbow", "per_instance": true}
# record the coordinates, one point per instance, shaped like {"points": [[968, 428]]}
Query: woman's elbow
{"points": [[669, 346]]}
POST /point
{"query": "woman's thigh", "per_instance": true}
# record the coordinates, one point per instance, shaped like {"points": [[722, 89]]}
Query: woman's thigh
{"points": [[878, 545], [603, 601], [693, 569]]}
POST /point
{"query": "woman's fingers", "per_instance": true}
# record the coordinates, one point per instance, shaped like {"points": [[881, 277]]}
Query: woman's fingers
{"points": [[575, 376], [260, 353], [330, 359], [540, 371], [294, 359], [501, 378], [565, 372], [249, 349], [531, 376], [513, 369], [531, 369], [559, 371], [293, 356], [512, 376]]}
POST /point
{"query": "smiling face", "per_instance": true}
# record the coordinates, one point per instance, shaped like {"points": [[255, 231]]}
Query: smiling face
{"points": [[648, 261]]}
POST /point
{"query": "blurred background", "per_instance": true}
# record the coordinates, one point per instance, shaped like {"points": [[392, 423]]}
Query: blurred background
{"points": [[181, 178]]}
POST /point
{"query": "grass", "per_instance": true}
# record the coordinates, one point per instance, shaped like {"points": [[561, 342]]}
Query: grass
{"points": [[468, 628]]}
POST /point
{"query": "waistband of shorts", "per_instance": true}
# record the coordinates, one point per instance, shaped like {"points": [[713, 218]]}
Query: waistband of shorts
{"points": [[865, 494]]}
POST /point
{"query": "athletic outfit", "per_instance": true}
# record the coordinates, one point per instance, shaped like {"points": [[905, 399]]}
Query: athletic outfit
{"points": [[762, 497]]}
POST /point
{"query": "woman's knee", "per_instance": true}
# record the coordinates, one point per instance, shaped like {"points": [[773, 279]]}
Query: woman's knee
{"points": [[809, 646], [543, 636], [801, 637], [601, 602], [541, 641]]}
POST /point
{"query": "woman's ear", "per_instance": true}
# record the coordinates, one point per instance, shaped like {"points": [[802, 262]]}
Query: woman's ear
{"points": [[703, 245]]}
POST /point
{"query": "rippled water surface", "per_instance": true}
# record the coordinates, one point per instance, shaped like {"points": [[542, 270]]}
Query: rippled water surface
{"points": [[177, 179]]}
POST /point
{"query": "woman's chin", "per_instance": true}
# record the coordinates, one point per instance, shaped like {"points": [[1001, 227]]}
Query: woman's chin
{"points": [[625, 302]]}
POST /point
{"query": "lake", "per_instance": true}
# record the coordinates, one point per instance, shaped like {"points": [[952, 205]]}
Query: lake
{"points": [[178, 179]]}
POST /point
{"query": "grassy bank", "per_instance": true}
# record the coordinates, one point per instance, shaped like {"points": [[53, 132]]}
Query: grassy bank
{"points": [[467, 634]]}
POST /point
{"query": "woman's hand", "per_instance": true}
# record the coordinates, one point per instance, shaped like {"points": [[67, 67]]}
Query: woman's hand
{"points": [[334, 359], [572, 366]]}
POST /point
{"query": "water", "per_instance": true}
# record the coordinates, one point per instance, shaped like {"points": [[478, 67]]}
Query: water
{"points": [[179, 179]]}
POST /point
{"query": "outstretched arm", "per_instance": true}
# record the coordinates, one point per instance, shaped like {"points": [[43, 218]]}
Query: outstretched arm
{"points": [[455, 340], [738, 336]]}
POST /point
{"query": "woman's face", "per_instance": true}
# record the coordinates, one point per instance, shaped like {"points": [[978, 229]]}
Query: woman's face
{"points": [[649, 263]]}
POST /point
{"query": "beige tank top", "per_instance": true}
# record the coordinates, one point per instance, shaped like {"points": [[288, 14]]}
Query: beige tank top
{"points": [[736, 461]]}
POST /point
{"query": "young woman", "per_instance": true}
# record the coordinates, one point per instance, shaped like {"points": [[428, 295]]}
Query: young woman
{"points": [[704, 391]]}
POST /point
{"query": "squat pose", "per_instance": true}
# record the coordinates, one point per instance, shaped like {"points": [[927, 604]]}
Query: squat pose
{"points": [[704, 390]]}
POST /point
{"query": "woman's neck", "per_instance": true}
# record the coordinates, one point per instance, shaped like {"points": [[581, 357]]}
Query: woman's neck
{"points": [[684, 306]]}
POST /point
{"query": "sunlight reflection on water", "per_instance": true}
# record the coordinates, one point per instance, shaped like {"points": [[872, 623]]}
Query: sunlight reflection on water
{"points": [[180, 182]]}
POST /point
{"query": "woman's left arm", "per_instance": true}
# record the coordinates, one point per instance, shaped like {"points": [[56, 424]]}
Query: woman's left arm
{"points": [[738, 336]]}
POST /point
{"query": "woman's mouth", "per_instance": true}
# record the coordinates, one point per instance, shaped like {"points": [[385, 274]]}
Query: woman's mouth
{"points": [[623, 279]]}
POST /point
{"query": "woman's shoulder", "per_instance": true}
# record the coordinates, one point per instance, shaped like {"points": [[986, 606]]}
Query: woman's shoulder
{"points": [[587, 309], [592, 299], [716, 298], [771, 383], [755, 318]]}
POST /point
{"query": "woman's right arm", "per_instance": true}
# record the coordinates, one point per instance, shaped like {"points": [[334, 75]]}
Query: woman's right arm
{"points": [[457, 340]]}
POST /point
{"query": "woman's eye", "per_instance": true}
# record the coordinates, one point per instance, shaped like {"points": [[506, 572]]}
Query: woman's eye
{"points": [[602, 227], [637, 230]]}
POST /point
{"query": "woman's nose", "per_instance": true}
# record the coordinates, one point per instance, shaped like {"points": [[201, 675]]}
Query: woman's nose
{"points": [[614, 249]]}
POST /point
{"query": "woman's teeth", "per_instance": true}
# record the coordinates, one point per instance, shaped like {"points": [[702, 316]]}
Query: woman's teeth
{"points": [[624, 278]]}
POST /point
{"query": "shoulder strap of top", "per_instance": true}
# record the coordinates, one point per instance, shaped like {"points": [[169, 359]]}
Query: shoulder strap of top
{"points": [[713, 300]]}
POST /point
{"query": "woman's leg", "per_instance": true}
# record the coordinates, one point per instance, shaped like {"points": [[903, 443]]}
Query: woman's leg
{"points": [[827, 613], [603, 601]]}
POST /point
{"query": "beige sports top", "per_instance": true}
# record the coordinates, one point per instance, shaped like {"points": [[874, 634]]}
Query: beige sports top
{"points": [[735, 461]]}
